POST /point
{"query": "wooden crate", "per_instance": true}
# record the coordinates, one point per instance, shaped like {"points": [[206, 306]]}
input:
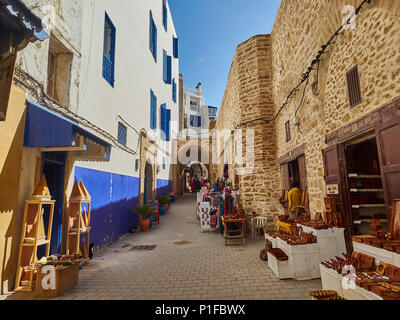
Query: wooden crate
{"points": [[66, 279]]}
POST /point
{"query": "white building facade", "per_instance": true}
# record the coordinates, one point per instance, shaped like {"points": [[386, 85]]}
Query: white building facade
{"points": [[197, 119], [84, 105], [130, 90]]}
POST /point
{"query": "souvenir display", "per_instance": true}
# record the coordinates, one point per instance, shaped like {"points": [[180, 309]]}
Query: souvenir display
{"points": [[279, 254], [34, 235], [332, 216], [384, 281], [323, 294], [78, 226], [378, 238]]}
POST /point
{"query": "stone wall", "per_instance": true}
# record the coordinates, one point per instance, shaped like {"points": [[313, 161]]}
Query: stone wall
{"points": [[248, 96], [267, 67], [300, 29]]}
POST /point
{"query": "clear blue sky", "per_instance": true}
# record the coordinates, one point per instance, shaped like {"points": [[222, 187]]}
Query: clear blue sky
{"points": [[209, 32]]}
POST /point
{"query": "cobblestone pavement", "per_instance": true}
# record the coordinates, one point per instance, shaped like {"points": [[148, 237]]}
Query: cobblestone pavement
{"points": [[186, 264]]}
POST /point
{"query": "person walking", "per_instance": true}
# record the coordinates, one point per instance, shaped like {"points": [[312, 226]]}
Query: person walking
{"points": [[294, 197], [192, 186]]}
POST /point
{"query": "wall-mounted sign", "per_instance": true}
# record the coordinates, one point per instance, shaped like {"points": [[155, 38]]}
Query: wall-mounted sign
{"points": [[332, 189]]}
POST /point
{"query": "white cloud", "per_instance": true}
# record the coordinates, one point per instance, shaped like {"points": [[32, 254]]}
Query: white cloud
{"points": [[201, 59]]}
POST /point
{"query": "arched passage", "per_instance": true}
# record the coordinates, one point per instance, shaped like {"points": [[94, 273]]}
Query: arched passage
{"points": [[193, 160]]}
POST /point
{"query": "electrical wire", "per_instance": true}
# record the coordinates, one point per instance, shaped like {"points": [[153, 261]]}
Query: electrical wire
{"points": [[90, 54], [44, 99], [306, 75]]}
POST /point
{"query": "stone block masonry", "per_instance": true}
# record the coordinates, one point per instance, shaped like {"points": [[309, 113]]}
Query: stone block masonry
{"points": [[267, 67], [248, 96]]}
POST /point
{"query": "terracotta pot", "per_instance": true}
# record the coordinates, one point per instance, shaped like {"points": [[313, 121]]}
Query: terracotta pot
{"points": [[144, 224]]}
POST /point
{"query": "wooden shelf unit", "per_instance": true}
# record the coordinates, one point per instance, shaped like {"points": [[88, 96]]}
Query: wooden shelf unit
{"points": [[365, 209], [78, 221], [32, 227]]}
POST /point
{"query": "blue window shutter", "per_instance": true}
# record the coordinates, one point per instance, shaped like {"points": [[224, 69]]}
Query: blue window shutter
{"points": [[167, 127], [165, 66], [174, 90], [109, 51], [192, 121], [155, 111], [153, 37], [169, 69], [176, 47], [151, 110], [163, 121], [199, 121], [122, 134], [151, 33], [155, 43], [165, 15]]}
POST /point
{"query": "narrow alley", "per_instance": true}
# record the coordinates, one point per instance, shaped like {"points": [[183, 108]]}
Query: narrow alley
{"points": [[186, 264]]}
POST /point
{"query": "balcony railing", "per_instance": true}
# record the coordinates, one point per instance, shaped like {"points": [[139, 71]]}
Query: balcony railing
{"points": [[194, 92]]}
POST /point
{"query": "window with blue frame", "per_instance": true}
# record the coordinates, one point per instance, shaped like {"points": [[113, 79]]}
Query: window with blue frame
{"points": [[109, 51], [195, 121], [153, 110], [167, 68], [174, 90], [122, 134], [175, 45], [153, 37], [165, 15], [163, 164], [165, 123]]}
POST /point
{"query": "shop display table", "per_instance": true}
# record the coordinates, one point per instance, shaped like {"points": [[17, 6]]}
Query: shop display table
{"points": [[331, 242], [331, 280], [272, 240], [380, 255], [303, 260], [234, 231]]}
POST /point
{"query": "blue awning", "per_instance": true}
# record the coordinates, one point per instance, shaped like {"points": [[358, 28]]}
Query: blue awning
{"points": [[47, 129]]}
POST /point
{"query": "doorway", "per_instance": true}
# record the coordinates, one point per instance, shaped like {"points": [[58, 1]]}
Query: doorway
{"points": [[53, 167], [365, 187], [294, 175], [148, 182]]}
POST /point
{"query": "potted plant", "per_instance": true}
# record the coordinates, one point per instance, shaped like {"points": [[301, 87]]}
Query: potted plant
{"points": [[164, 202], [145, 213]]}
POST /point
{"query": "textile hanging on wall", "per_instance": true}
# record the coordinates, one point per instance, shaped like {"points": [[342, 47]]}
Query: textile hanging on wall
{"points": [[205, 219]]}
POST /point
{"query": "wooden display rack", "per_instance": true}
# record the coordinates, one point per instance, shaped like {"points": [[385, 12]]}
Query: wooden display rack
{"points": [[33, 235], [231, 235], [78, 221]]}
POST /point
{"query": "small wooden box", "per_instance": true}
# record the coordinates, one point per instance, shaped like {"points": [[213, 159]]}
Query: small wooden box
{"points": [[66, 279]]}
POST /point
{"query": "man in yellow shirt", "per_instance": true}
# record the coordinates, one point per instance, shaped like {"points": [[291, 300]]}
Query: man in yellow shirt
{"points": [[294, 198]]}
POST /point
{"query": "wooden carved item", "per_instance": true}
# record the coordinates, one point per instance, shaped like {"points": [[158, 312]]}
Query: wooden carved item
{"points": [[395, 220]]}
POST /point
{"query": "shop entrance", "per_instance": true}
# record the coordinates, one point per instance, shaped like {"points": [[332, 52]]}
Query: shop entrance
{"points": [[53, 167], [294, 176], [365, 188], [293, 169], [148, 182]]}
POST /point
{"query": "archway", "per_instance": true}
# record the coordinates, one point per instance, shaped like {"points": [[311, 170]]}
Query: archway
{"points": [[193, 160]]}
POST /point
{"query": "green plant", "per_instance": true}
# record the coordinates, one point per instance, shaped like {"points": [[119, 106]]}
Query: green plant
{"points": [[144, 211], [163, 200]]}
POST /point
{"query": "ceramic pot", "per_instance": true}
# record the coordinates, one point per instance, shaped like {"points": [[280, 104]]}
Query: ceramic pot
{"points": [[144, 224], [163, 210]]}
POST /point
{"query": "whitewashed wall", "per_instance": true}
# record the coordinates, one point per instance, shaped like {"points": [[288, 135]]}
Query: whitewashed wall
{"points": [[136, 73]]}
